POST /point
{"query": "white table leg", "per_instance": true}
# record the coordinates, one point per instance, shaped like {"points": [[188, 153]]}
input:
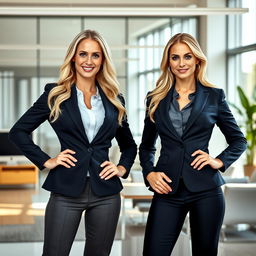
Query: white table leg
{"points": [[122, 218]]}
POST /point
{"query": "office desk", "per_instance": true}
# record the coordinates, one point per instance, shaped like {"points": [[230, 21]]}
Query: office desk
{"points": [[18, 174], [132, 190]]}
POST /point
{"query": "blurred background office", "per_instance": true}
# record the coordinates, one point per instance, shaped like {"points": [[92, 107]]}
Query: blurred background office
{"points": [[33, 41]]}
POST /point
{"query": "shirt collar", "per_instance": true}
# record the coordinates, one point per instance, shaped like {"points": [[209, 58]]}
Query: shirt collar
{"points": [[97, 95], [176, 94], [97, 92]]}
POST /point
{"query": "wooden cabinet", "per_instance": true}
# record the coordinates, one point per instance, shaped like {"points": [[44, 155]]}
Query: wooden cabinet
{"points": [[18, 174]]}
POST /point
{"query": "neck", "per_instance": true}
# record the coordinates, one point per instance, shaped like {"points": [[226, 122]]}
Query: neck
{"points": [[185, 85], [86, 85]]}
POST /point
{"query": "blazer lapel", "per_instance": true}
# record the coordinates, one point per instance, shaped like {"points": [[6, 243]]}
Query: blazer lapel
{"points": [[198, 105], [110, 116], [74, 112], [164, 107]]}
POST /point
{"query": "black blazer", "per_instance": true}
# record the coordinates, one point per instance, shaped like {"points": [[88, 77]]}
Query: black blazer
{"points": [[209, 108], [70, 131]]}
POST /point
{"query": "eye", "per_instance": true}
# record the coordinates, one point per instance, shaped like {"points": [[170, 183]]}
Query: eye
{"points": [[188, 57], [174, 57], [82, 54], [95, 55]]}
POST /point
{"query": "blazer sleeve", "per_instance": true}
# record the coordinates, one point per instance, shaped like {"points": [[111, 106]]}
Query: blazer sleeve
{"points": [[147, 147], [20, 133], [236, 141], [126, 143]]}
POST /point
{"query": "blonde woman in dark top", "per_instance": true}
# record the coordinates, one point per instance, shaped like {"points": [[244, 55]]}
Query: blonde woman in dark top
{"points": [[183, 110]]}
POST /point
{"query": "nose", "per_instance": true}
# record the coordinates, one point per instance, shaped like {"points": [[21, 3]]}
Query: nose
{"points": [[182, 63], [88, 60]]}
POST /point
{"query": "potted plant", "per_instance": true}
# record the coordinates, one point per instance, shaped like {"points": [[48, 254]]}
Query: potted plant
{"points": [[248, 114]]}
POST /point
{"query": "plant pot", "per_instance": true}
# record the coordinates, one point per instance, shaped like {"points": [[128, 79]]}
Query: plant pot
{"points": [[249, 169]]}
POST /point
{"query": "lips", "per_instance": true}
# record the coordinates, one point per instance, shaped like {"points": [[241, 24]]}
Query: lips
{"points": [[88, 69], [183, 70]]}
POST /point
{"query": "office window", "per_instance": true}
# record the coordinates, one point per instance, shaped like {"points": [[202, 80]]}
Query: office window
{"points": [[17, 66], [31, 57], [241, 50]]}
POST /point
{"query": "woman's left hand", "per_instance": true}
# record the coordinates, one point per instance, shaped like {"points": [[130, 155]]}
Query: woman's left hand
{"points": [[203, 159], [111, 170]]}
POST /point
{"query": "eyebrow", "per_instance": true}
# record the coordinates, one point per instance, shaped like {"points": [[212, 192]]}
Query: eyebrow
{"points": [[173, 54], [86, 51]]}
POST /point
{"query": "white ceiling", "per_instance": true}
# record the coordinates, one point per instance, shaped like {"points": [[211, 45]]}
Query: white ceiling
{"points": [[121, 3]]}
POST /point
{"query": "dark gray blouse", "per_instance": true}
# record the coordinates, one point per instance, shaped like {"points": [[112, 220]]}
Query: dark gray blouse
{"points": [[179, 117]]}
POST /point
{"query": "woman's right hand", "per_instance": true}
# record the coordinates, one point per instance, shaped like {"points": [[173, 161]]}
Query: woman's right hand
{"points": [[157, 181], [64, 158]]}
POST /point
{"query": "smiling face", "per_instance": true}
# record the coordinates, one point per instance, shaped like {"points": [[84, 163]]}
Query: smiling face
{"points": [[182, 61], [88, 59]]}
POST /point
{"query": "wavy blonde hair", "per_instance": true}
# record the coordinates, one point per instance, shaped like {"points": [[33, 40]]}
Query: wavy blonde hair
{"points": [[166, 79], [106, 77]]}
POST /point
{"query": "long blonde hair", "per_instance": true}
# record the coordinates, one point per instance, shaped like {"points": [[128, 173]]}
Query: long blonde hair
{"points": [[166, 79], [106, 77]]}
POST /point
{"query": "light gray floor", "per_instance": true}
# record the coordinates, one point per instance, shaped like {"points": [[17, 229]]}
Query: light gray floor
{"points": [[35, 249], [132, 246]]}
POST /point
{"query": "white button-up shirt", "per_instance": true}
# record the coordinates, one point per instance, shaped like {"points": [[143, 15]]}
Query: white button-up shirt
{"points": [[92, 118]]}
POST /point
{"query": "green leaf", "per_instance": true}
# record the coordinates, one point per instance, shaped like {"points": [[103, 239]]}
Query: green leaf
{"points": [[244, 100], [250, 111], [253, 108]]}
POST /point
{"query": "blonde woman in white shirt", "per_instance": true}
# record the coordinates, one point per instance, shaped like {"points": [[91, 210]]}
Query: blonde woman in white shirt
{"points": [[86, 111]]}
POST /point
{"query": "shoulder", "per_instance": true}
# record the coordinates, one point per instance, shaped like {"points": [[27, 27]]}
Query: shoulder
{"points": [[214, 91], [120, 97], [50, 86], [148, 98]]}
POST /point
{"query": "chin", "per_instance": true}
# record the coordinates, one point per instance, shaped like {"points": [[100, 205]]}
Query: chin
{"points": [[89, 75], [184, 76]]}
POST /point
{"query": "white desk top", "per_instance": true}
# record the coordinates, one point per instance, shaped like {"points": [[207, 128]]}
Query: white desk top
{"points": [[136, 190]]}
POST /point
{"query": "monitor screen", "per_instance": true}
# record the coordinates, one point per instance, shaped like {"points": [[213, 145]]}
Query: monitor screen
{"points": [[7, 148], [9, 153]]}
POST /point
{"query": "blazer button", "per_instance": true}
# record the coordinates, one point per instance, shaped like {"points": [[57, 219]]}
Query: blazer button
{"points": [[90, 150]]}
